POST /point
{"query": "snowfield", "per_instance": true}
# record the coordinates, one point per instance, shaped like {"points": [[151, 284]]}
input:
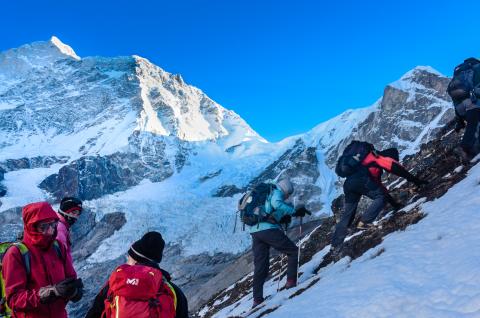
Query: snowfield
{"points": [[430, 270]]}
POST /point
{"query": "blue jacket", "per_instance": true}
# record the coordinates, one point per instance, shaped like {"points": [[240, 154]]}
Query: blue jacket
{"points": [[275, 202]]}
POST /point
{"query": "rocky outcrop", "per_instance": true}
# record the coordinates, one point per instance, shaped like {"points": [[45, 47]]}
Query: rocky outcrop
{"points": [[31, 163], [92, 177], [11, 225], [411, 112], [87, 241], [300, 165]]}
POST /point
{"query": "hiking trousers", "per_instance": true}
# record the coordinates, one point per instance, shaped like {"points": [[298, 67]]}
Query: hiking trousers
{"points": [[261, 243], [354, 188], [472, 134]]}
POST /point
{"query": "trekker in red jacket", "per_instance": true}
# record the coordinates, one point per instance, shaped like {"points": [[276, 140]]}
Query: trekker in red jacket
{"points": [[364, 178], [51, 282], [129, 286]]}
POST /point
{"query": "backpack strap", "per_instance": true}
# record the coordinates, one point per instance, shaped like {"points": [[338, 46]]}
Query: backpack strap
{"points": [[173, 292], [25, 256], [58, 250]]}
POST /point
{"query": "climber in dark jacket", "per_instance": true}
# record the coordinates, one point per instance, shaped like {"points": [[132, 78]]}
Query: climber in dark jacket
{"points": [[368, 182], [147, 252], [464, 89]]}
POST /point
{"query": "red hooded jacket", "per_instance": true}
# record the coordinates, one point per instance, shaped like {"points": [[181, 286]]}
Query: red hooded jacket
{"points": [[376, 163], [47, 268]]}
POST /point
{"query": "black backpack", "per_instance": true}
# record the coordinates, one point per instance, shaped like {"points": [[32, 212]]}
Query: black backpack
{"points": [[350, 162], [466, 78], [252, 205]]}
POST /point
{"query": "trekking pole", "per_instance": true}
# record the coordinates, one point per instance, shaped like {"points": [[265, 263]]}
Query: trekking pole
{"points": [[281, 262], [301, 223], [235, 226], [280, 273], [298, 259]]}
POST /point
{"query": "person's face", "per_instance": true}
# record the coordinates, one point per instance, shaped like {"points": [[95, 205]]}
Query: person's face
{"points": [[130, 260], [76, 213], [47, 228]]}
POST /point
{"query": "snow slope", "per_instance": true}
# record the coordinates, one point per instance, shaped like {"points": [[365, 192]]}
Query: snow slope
{"points": [[429, 270]]}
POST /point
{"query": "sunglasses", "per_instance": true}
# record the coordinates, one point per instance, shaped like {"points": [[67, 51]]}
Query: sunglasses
{"points": [[45, 226]]}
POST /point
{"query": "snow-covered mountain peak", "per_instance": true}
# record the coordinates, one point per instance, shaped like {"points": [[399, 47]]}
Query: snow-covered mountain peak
{"points": [[18, 63], [172, 107], [65, 49], [416, 78]]}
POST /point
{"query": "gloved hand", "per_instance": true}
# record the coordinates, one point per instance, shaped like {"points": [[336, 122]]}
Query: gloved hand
{"points": [[300, 211], [460, 124], [286, 219], [47, 294], [419, 182], [78, 292], [67, 288], [397, 206]]}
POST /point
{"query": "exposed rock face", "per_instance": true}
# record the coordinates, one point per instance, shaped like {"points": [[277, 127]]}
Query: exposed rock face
{"points": [[11, 224], [86, 242], [411, 111], [92, 177], [30, 163], [299, 164]]}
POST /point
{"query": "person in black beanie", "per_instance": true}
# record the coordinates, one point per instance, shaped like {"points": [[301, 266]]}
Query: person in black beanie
{"points": [[68, 213], [147, 251]]}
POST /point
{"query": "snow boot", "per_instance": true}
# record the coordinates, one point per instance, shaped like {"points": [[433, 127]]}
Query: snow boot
{"points": [[364, 226], [291, 282], [335, 254], [257, 302]]}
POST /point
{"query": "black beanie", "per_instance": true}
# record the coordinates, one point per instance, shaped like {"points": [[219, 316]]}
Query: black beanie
{"points": [[148, 249], [69, 204]]}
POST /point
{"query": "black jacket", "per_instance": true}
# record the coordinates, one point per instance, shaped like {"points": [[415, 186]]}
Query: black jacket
{"points": [[98, 304]]}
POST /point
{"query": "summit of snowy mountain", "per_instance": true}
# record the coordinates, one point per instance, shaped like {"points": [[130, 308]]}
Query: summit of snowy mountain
{"points": [[17, 63], [65, 49]]}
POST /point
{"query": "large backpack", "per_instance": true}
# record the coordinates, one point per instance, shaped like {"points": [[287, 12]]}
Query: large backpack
{"points": [[5, 311], [350, 162], [139, 291], [466, 78], [252, 205]]}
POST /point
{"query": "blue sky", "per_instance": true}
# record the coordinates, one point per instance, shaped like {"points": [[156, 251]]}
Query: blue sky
{"points": [[284, 66]]}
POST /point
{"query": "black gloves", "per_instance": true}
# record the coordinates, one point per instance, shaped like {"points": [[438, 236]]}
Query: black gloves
{"points": [[400, 171], [419, 182], [79, 291], [286, 219], [66, 288], [301, 211], [70, 289], [460, 124]]}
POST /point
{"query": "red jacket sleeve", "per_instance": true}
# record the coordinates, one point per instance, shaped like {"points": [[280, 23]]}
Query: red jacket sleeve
{"points": [[15, 277], [381, 161]]}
